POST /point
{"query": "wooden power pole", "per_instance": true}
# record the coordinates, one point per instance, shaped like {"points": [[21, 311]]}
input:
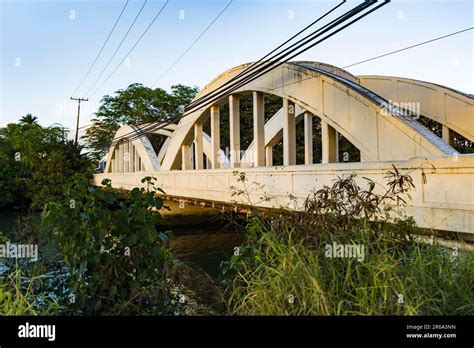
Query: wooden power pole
{"points": [[78, 113]]}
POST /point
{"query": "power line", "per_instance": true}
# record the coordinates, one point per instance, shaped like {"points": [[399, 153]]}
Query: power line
{"points": [[193, 43], [151, 129], [289, 50], [360, 7], [131, 49], [382, 55], [327, 27], [276, 60], [118, 47], [247, 71], [103, 46], [409, 47]]}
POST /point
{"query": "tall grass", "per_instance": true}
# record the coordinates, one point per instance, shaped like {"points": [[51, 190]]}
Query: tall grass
{"points": [[283, 268], [18, 296]]}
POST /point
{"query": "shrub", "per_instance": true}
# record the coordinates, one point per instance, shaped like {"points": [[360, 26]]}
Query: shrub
{"points": [[117, 261]]}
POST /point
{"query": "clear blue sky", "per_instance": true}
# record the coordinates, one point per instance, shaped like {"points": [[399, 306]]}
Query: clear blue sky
{"points": [[45, 53]]}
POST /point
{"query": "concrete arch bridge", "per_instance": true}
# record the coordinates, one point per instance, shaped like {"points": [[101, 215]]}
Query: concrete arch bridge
{"points": [[369, 111]]}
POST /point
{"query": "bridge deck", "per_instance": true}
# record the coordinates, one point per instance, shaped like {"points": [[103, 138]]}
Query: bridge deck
{"points": [[443, 199]]}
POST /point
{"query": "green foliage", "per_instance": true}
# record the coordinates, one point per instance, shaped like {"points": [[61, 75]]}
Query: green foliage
{"points": [[29, 119], [284, 269], [30, 141], [22, 146], [11, 185], [116, 258], [274, 268], [134, 105], [36, 162], [460, 144], [53, 173]]}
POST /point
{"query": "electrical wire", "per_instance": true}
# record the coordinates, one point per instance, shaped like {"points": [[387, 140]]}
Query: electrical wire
{"points": [[255, 64], [118, 47], [192, 44], [131, 49], [333, 24], [280, 58], [100, 52], [383, 55]]}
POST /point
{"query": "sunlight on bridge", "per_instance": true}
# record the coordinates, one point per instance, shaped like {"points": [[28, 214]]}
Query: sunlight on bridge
{"points": [[379, 116]]}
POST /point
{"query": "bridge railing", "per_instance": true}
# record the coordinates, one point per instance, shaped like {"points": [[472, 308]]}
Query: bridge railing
{"points": [[443, 198]]}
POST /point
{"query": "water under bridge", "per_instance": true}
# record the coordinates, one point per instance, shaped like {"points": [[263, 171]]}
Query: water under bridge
{"points": [[368, 111]]}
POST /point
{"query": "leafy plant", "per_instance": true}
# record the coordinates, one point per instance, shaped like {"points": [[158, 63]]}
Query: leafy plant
{"points": [[117, 260]]}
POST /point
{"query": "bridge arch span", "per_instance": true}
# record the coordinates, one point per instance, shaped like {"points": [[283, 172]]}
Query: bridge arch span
{"points": [[453, 109], [138, 154], [364, 118]]}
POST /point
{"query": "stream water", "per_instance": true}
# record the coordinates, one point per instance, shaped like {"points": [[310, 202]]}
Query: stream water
{"points": [[205, 247]]}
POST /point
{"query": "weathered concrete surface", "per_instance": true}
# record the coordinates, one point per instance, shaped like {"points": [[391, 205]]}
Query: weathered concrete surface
{"points": [[445, 201], [360, 116], [449, 107], [360, 108]]}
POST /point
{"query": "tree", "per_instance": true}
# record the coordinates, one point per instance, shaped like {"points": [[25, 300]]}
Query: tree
{"points": [[29, 119], [35, 162], [55, 171], [9, 175], [134, 105], [460, 143]]}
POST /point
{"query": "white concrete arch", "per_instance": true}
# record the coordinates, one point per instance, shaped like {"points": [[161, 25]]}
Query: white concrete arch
{"points": [[452, 108], [273, 134], [362, 117], [443, 196], [143, 152]]}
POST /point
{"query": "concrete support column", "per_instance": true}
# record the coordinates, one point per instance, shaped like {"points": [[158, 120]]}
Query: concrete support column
{"points": [[215, 136], [308, 138], [448, 136], [198, 153], [137, 162], [289, 133], [131, 157], [269, 156], [115, 161], [329, 143], [120, 158], [191, 153], [234, 125], [126, 156], [185, 158], [259, 129]]}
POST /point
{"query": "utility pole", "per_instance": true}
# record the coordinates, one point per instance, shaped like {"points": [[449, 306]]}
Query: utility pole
{"points": [[78, 113]]}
